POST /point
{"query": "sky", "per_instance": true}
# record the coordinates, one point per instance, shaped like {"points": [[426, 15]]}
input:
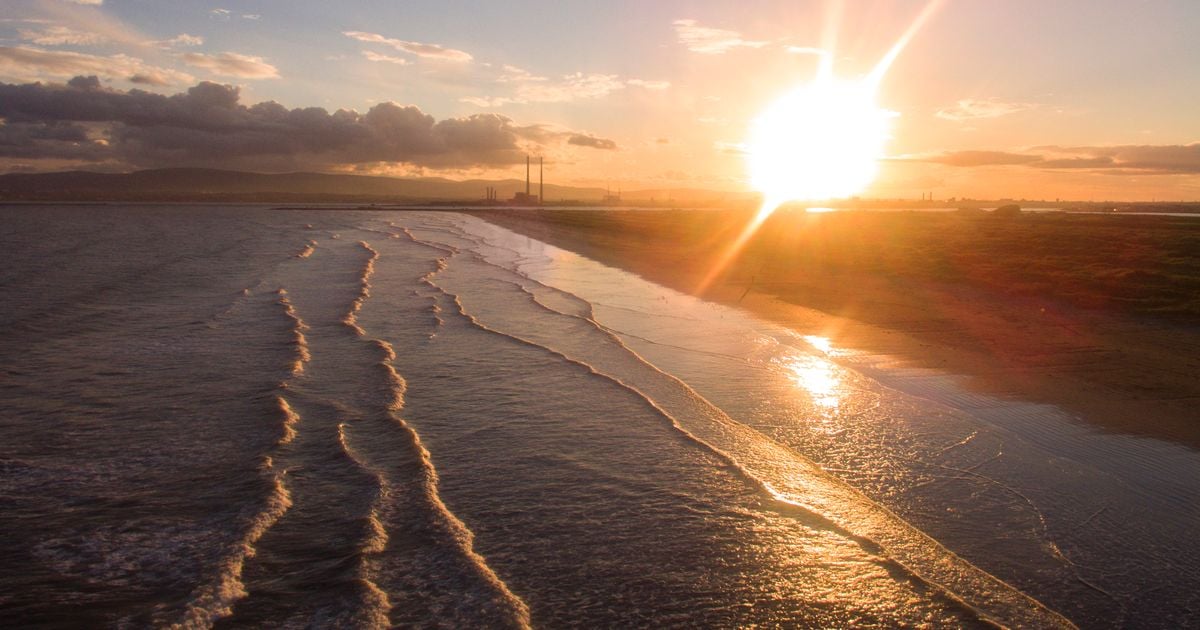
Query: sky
{"points": [[1072, 99]]}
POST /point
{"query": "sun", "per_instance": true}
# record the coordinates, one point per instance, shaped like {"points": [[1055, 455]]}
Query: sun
{"points": [[820, 141]]}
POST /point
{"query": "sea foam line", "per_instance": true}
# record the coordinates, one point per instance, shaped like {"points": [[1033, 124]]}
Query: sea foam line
{"points": [[215, 600], [364, 292], [309, 248], [441, 263], [448, 525], [376, 607], [590, 316], [397, 384], [299, 341]]}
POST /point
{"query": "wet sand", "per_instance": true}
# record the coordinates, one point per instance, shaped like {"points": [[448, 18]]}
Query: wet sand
{"points": [[1096, 315]]}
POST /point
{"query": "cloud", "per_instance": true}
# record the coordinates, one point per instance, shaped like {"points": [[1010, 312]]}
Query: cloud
{"points": [[83, 18], [251, 16], [711, 41], [221, 14], [975, 109], [513, 74], [34, 63], [159, 77], [374, 56], [1119, 159], [428, 51], [56, 141], [982, 158], [232, 65], [182, 40], [1075, 162], [583, 140], [60, 36], [570, 88], [1173, 158], [530, 88], [208, 126], [90, 2], [649, 85]]}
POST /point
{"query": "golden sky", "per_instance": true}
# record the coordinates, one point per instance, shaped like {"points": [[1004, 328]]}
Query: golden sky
{"points": [[1079, 99]]}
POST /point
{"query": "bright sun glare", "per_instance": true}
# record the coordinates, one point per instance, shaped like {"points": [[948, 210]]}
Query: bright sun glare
{"points": [[820, 141], [824, 139]]}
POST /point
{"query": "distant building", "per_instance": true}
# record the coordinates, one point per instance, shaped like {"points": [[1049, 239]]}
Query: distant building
{"points": [[524, 199], [527, 198]]}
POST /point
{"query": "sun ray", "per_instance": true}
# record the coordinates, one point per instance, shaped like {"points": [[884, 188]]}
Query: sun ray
{"points": [[731, 252], [881, 68], [833, 22]]}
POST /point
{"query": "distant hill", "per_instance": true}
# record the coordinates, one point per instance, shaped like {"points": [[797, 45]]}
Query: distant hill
{"points": [[195, 184]]}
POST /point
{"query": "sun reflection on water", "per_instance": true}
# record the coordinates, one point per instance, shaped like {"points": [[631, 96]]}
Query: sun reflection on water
{"points": [[824, 344], [819, 379]]}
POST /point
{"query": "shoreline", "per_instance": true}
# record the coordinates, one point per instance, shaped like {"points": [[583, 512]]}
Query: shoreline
{"points": [[1113, 371]]}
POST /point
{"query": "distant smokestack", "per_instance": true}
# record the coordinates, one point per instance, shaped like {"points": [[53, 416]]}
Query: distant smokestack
{"points": [[526, 175], [541, 180]]}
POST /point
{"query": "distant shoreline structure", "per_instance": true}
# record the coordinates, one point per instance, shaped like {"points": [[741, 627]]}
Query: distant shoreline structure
{"points": [[184, 185]]}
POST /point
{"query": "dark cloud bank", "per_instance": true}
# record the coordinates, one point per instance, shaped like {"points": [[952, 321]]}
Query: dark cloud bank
{"points": [[208, 126], [1122, 159]]}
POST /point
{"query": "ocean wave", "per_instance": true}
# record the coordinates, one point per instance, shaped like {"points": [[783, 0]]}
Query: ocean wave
{"points": [[351, 318], [215, 599], [299, 341], [309, 248]]}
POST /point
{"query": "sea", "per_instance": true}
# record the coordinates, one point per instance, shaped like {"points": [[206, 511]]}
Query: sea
{"points": [[243, 416]]}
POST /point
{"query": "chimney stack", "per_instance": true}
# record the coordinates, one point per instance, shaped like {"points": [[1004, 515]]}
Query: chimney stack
{"points": [[541, 180], [526, 176]]}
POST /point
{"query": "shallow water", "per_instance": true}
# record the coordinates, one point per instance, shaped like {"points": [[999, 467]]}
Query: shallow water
{"points": [[238, 416]]}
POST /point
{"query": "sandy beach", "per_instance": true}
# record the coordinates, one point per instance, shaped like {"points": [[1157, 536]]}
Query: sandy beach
{"points": [[1097, 315]]}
